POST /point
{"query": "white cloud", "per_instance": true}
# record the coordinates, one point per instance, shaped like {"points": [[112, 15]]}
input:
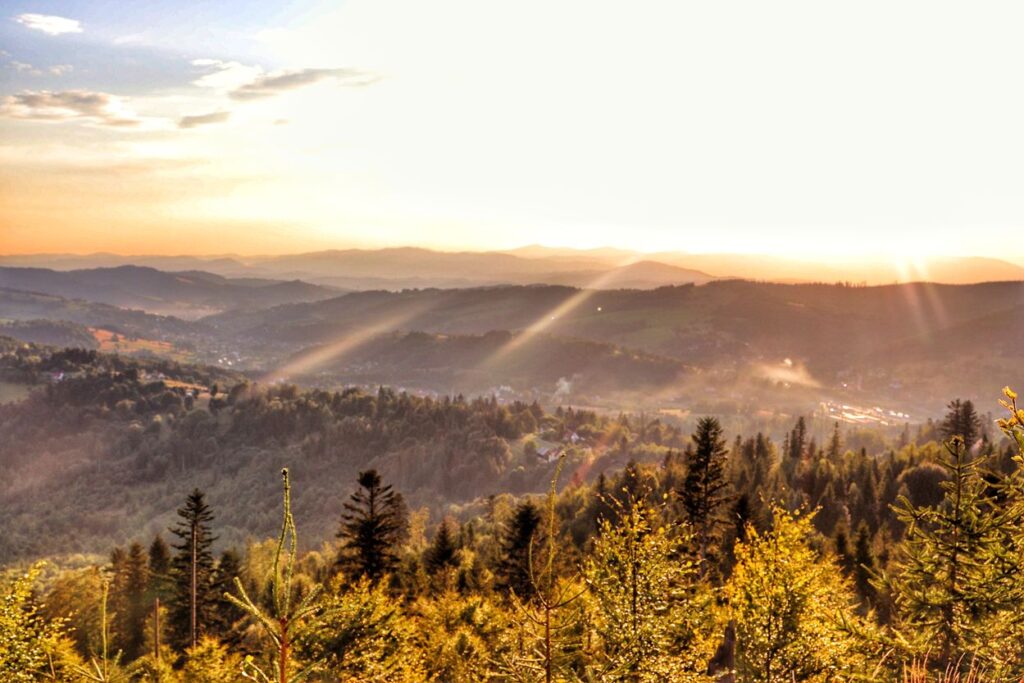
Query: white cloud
{"points": [[276, 83], [44, 105], [225, 75], [60, 69], [49, 24]]}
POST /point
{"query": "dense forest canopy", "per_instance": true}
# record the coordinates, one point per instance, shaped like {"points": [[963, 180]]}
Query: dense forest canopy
{"points": [[662, 550]]}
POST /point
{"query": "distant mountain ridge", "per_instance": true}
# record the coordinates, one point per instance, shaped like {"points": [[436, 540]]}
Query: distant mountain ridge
{"points": [[605, 268], [184, 293]]}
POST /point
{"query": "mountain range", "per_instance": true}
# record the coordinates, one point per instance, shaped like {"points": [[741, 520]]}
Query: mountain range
{"points": [[410, 267]]}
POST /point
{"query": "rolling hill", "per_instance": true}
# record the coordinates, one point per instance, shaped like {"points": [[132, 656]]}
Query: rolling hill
{"points": [[185, 294]]}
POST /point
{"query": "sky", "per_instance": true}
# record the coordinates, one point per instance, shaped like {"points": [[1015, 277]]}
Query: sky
{"points": [[815, 128]]}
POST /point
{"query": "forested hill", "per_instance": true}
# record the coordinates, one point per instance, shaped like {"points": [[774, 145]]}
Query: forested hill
{"points": [[883, 338], [104, 448]]}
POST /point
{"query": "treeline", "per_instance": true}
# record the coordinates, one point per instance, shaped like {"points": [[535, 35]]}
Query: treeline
{"points": [[669, 572]]}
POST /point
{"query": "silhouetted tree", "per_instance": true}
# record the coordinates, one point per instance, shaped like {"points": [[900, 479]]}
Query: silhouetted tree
{"points": [[513, 570], [703, 492], [192, 572], [371, 528]]}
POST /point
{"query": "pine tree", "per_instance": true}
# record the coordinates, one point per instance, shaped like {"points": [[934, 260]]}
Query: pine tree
{"points": [[514, 561], [955, 581], [371, 528], [703, 492], [194, 601]]}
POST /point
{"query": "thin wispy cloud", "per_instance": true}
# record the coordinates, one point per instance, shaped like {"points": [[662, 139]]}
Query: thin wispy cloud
{"points": [[49, 24], [223, 75], [68, 105], [203, 119], [277, 83], [55, 70]]}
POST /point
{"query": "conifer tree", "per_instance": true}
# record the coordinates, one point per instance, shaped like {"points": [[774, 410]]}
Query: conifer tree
{"points": [[653, 617], [835, 444], [864, 565], [519, 534], [371, 528], [550, 620], [961, 420], [703, 494], [129, 599], [287, 614], [159, 568], [792, 610], [194, 600], [441, 554], [956, 582]]}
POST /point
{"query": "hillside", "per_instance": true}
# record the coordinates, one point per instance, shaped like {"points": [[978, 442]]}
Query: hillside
{"points": [[184, 294], [882, 339], [546, 367], [104, 453]]}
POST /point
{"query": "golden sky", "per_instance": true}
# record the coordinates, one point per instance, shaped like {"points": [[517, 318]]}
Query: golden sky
{"points": [[804, 128]]}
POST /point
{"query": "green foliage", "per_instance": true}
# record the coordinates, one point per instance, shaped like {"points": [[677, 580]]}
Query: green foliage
{"points": [[651, 616], [26, 638], [361, 633], [286, 615], [793, 611], [956, 582]]}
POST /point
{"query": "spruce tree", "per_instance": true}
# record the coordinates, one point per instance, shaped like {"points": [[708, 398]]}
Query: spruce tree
{"points": [[962, 420], [442, 551], [864, 565], [955, 582], [703, 493], [159, 568], [371, 528], [194, 600], [129, 598], [519, 534]]}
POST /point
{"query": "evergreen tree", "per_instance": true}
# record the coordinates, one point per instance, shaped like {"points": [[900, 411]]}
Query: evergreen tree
{"points": [[653, 617], [129, 599], [442, 551], [864, 565], [798, 439], [194, 600], [703, 492], [955, 582], [229, 566], [159, 568], [962, 420], [835, 444], [792, 610], [515, 550], [371, 528]]}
